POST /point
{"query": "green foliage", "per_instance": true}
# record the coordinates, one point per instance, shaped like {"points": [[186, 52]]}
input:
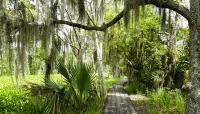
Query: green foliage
{"points": [[142, 52], [96, 106], [4, 67], [26, 10], [19, 101], [36, 62], [77, 93], [135, 87], [111, 81], [166, 101], [12, 98], [22, 100]]}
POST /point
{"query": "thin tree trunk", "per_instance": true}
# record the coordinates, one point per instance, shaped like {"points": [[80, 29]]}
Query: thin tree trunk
{"points": [[52, 53], [17, 65], [11, 60], [171, 52], [48, 63], [98, 42], [24, 59]]}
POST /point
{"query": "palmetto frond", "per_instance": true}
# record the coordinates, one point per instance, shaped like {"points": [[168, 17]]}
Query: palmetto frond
{"points": [[78, 91], [54, 86]]}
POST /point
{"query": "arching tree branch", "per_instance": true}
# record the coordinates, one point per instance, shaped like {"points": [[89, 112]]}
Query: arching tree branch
{"points": [[170, 4], [173, 5], [101, 28]]}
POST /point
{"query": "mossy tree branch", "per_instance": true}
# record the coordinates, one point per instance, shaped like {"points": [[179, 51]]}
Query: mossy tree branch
{"points": [[170, 4]]}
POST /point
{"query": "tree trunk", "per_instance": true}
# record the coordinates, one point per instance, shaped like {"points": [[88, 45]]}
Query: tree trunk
{"points": [[15, 4], [171, 73], [48, 64], [80, 55], [1, 4], [17, 60], [51, 56], [98, 42], [116, 70], [193, 98]]}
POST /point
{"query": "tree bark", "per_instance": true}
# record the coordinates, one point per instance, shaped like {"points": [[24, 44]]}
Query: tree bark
{"points": [[48, 64], [193, 98], [52, 54], [100, 64], [1, 4]]}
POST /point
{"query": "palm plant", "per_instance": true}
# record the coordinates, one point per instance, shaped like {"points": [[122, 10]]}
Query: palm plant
{"points": [[77, 91]]}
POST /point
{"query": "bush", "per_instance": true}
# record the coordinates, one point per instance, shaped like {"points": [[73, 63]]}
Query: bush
{"points": [[12, 101], [135, 87], [73, 93], [19, 101], [164, 101]]}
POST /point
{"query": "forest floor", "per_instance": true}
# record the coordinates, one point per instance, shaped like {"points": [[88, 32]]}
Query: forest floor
{"points": [[118, 101]]}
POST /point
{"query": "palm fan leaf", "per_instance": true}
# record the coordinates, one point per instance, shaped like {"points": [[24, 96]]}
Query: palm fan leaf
{"points": [[78, 92], [68, 77], [52, 85]]}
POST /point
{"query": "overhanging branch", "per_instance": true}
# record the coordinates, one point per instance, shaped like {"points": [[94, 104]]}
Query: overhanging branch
{"points": [[170, 4], [101, 28], [173, 5]]}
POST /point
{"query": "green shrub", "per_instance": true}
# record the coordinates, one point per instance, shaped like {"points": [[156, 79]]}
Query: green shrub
{"points": [[78, 77], [78, 92], [95, 107], [12, 100], [135, 87], [18, 101], [164, 101]]}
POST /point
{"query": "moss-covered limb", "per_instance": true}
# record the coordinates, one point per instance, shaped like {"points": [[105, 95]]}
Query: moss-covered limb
{"points": [[173, 5], [98, 28]]}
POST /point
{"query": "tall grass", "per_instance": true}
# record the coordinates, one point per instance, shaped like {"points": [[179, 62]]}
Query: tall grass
{"points": [[166, 101]]}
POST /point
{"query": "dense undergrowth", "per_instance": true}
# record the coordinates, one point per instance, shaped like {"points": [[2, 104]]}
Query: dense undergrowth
{"points": [[160, 101], [166, 101], [21, 100]]}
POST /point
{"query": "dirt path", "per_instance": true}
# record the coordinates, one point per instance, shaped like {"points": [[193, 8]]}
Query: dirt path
{"points": [[118, 101]]}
